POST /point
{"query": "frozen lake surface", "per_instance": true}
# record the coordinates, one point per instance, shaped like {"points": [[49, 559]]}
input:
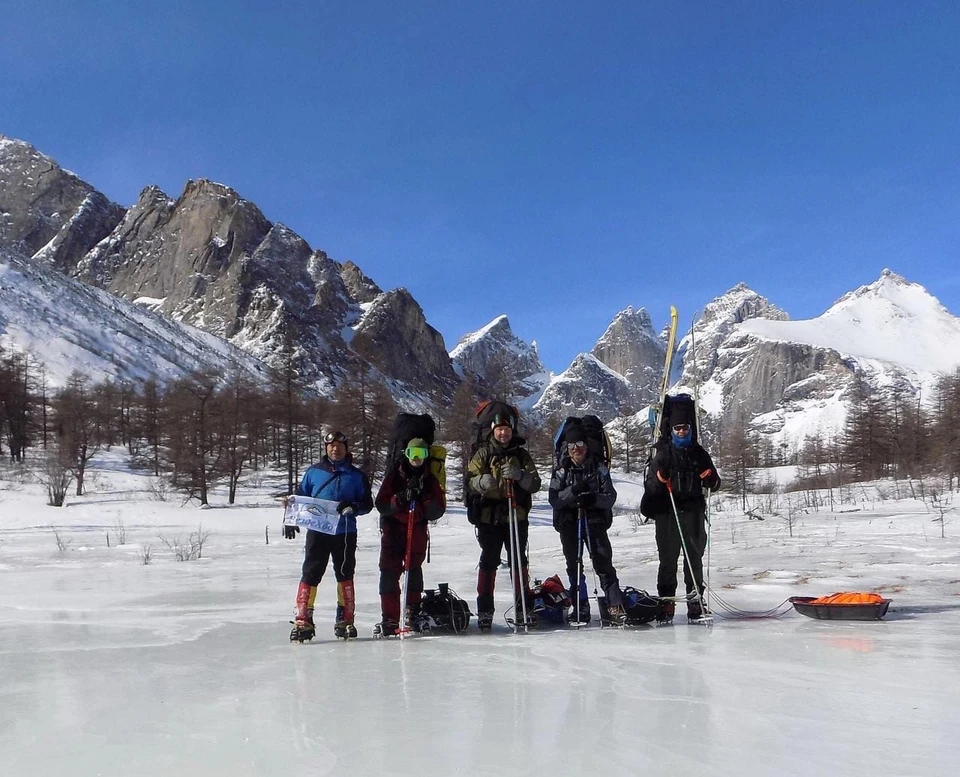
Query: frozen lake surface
{"points": [[111, 667]]}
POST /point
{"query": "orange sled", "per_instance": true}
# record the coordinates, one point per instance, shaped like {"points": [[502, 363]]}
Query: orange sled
{"points": [[842, 606]]}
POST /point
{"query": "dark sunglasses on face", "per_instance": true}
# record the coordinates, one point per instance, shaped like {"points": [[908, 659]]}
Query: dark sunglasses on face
{"points": [[335, 437], [576, 446], [681, 428]]}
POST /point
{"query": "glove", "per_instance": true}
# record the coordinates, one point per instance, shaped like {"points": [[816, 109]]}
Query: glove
{"points": [[412, 492], [579, 487], [586, 499], [488, 482], [511, 470], [289, 532], [346, 508]]}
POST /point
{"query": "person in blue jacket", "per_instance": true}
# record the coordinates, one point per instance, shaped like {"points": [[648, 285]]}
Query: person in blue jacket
{"points": [[334, 478]]}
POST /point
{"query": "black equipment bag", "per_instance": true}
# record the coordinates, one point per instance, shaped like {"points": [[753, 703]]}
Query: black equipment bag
{"points": [[443, 610]]}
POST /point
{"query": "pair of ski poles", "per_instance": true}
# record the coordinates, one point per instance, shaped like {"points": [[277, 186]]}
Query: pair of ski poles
{"points": [[516, 562], [583, 533]]}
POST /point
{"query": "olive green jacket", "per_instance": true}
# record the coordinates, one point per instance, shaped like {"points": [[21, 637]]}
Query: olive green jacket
{"points": [[489, 459]]}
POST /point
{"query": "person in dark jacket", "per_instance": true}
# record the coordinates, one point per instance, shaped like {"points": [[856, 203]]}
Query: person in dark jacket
{"points": [[335, 479], [683, 468], [409, 494], [499, 465], [582, 496]]}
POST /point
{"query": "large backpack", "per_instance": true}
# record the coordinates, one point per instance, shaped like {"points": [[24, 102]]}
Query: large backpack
{"points": [[481, 427], [639, 606], [677, 409], [598, 442], [443, 610], [409, 426]]}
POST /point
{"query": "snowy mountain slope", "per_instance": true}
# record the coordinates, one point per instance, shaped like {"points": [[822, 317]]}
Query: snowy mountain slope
{"points": [[586, 386], [493, 349], [890, 320], [791, 379], [71, 326]]}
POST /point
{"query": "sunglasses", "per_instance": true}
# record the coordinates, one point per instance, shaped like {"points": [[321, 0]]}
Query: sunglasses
{"points": [[335, 437], [681, 428], [417, 454], [576, 446]]}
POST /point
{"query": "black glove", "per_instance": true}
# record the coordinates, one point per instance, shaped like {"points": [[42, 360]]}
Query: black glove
{"points": [[511, 470], [586, 499], [579, 487], [412, 492], [346, 508], [289, 532]]}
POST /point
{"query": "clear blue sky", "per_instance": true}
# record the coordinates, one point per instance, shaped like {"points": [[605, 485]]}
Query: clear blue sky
{"points": [[554, 161]]}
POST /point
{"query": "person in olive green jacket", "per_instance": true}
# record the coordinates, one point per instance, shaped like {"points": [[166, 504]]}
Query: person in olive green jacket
{"points": [[499, 463]]}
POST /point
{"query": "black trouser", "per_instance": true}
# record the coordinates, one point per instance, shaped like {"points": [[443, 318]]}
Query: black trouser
{"points": [[319, 547], [594, 537], [693, 522], [493, 538]]}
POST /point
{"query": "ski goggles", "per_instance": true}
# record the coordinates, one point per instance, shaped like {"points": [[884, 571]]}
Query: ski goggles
{"points": [[335, 437], [417, 454], [680, 428]]}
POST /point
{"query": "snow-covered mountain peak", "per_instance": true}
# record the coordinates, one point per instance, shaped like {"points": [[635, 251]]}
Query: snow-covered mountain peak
{"points": [[489, 352], [890, 320]]}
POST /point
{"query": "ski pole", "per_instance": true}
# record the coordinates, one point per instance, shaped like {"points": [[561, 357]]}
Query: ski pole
{"points": [[515, 560], [589, 544], [683, 544], [407, 561], [579, 582]]}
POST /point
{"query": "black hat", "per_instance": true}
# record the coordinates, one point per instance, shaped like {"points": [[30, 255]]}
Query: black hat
{"points": [[574, 433]]}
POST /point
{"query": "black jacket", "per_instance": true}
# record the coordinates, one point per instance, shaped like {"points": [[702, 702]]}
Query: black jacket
{"points": [[589, 482], [683, 468]]}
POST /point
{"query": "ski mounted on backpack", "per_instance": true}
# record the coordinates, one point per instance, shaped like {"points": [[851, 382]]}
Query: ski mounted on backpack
{"points": [[657, 411]]}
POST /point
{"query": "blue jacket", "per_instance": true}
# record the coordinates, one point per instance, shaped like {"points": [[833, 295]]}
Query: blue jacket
{"points": [[338, 481]]}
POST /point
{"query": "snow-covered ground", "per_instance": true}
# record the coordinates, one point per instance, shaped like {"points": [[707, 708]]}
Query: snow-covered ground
{"points": [[112, 667]]}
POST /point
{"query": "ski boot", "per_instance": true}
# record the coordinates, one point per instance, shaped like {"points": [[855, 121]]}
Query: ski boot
{"points": [[386, 628], [698, 613], [302, 631], [665, 612], [485, 621], [344, 630]]}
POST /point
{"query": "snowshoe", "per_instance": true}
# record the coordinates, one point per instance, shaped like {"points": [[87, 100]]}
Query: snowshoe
{"points": [[342, 630], [385, 629], [302, 631], [485, 621]]}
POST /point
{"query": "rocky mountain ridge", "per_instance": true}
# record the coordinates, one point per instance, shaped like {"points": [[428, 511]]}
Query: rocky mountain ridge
{"points": [[210, 259]]}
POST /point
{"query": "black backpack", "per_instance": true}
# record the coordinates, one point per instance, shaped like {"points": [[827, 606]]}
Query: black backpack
{"points": [[678, 409], [639, 606], [598, 443], [407, 427], [443, 610]]}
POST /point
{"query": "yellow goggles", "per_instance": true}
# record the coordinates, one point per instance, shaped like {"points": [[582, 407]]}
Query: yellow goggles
{"points": [[417, 454]]}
